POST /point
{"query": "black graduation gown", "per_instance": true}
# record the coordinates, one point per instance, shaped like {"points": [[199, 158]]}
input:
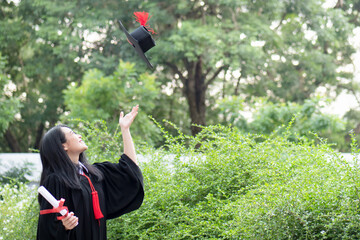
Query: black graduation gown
{"points": [[121, 191]]}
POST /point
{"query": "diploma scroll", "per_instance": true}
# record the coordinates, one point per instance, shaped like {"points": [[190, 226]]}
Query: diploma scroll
{"points": [[50, 198]]}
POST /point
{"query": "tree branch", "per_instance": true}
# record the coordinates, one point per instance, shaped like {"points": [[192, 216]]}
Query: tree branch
{"points": [[211, 80], [176, 70], [236, 91], [282, 19], [339, 4], [354, 20], [233, 18], [207, 72], [351, 90]]}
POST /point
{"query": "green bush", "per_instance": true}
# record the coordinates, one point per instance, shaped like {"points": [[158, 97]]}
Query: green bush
{"points": [[235, 186], [223, 184], [18, 211], [17, 173]]}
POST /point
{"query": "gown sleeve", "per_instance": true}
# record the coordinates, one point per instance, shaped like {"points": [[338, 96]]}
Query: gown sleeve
{"points": [[122, 185], [48, 225]]}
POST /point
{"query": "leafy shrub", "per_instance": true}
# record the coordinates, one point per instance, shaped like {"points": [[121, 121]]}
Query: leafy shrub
{"points": [[235, 186], [223, 184], [267, 117], [17, 174], [18, 211]]}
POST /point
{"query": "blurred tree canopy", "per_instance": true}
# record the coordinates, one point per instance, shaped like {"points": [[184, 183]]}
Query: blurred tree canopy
{"points": [[101, 97], [206, 50], [281, 49], [306, 120]]}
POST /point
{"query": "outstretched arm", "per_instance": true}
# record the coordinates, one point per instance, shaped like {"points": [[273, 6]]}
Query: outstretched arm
{"points": [[125, 123]]}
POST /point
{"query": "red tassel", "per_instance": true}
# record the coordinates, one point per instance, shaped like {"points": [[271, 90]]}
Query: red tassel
{"points": [[95, 200], [96, 206], [142, 18]]}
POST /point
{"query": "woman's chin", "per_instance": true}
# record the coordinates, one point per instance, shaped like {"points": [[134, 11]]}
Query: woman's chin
{"points": [[84, 148]]}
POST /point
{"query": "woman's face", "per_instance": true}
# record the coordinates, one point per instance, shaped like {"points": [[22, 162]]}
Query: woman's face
{"points": [[74, 144]]}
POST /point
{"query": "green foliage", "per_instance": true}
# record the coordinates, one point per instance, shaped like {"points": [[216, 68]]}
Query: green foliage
{"points": [[309, 118], [101, 97], [234, 186], [283, 50], [40, 65], [273, 118], [231, 110], [224, 184], [104, 144], [17, 174], [9, 105], [352, 125], [18, 212]]}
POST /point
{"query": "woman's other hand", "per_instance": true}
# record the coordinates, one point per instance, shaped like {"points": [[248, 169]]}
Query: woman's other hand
{"points": [[70, 221]]}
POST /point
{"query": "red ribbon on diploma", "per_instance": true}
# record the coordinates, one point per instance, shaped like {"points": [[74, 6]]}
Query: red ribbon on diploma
{"points": [[57, 209]]}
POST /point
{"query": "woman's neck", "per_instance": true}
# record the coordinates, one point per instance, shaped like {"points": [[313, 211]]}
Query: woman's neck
{"points": [[74, 158]]}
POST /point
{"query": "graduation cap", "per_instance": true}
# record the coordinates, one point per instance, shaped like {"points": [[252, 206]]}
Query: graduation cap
{"points": [[141, 38]]}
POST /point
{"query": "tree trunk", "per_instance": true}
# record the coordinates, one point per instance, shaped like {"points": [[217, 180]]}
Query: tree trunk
{"points": [[39, 134], [197, 108], [195, 87], [12, 142], [339, 4], [195, 92]]}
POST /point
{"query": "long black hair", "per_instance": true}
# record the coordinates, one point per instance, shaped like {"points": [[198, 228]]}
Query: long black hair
{"points": [[54, 159]]}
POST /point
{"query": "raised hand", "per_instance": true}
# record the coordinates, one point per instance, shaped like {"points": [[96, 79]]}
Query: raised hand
{"points": [[126, 121]]}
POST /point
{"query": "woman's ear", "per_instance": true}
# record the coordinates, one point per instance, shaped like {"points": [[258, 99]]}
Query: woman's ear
{"points": [[65, 146]]}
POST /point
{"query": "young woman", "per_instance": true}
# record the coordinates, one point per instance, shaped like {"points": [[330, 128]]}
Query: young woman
{"points": [[92, 193]]}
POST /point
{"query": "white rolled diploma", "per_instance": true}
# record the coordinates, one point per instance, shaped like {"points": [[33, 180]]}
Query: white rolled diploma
{"points": [[50, 198]]}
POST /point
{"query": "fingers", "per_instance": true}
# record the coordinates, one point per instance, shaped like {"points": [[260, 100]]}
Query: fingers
{"points": [[70, 221], [121, 116], [126, 121], [135, 110]]}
